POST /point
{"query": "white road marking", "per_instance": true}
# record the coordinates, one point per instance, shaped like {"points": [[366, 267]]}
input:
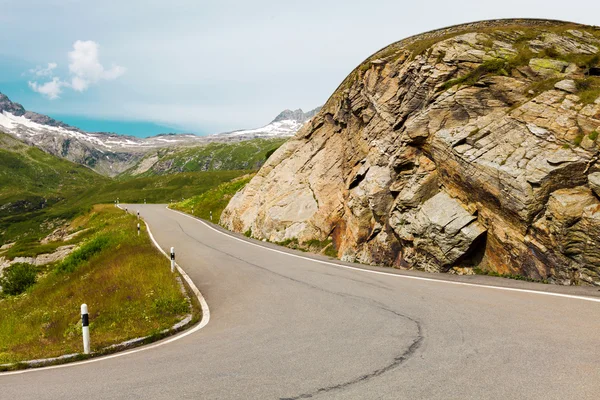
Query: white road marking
{"points": [[202, 324], [568, 296]]}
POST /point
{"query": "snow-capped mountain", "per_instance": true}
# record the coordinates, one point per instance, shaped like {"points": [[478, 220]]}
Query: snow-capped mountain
{"points": [[111, 154], [286, 124]]}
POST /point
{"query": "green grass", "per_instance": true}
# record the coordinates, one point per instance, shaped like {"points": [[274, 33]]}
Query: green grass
{"points": [[508, 276], [39, 192], [495, 67], [125, 281], [214, 200]]}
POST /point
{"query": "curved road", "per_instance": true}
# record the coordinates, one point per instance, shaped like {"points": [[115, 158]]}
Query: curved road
{"points": [[290, 327]]}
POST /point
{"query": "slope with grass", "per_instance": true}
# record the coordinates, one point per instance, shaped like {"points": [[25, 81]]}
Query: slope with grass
{"points": [[39, 192], [125, 281], [213, 200], [243, 155]]}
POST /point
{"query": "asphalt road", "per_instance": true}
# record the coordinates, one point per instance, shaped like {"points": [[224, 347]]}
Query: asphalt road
{"points": [[286, 327]]}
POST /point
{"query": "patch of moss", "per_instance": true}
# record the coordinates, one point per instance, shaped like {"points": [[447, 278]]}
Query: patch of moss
{"points": [[588, 89], [578, 139], [593, 135]]}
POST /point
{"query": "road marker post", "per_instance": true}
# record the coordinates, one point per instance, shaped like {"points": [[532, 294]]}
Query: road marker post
{"points": [[138, 229], [210, 215], [172, 259], [138, 214], [85, 328]]}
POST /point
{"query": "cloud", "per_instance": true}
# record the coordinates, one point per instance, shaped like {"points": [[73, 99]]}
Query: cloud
{"points": [[51, 89], [84, 65], [85, 70], [44, 71]]}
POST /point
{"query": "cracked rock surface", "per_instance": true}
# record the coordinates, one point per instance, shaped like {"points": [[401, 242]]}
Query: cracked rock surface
{"points": [[468, 148]]}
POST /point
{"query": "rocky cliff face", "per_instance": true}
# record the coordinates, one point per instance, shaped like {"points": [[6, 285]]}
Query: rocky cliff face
{"points": [[471, 147]]}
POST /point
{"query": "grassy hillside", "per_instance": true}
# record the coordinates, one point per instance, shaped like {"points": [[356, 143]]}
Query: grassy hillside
{"points": [[30, 178], [214, 200], [39, 192], [126, 282], [246, 155]]}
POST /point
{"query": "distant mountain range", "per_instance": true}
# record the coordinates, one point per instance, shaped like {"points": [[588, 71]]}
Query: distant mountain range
{"points": [[111, 154]]}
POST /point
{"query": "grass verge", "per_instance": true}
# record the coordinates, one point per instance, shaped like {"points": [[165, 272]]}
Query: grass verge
{"points": [[125, 281]]}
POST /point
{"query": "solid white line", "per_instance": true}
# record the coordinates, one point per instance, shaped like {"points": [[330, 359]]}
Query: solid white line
{"points": [[202, 324], [569, 296]]}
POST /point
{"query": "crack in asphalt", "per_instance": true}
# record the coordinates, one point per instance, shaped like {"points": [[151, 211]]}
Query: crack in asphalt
{"points": [[397, 361]]}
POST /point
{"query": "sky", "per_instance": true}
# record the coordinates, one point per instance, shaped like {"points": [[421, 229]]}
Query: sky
{"points": [[143, 66]]}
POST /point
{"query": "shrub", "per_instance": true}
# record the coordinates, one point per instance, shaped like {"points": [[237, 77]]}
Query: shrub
{"points": [[84, 253], [17, 278], [270, 153]]}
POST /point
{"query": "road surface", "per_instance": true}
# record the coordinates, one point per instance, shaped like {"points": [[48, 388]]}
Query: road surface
{"points": [[288, 327]]}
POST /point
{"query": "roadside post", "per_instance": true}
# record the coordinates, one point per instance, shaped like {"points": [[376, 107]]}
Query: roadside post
{"points": [[172, 259], [85, 328], [138, 229], [138, 214], [192, 210], [210, 215]]}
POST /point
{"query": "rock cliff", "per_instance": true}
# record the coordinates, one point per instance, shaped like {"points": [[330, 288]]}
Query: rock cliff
{"points": [[469, 148]]}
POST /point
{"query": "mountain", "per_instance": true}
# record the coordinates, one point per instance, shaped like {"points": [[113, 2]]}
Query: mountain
{"points": [[296, 115], [239, 155], [111, 154], [40, 191], [31, 179], [286, 124], [470, 149]]}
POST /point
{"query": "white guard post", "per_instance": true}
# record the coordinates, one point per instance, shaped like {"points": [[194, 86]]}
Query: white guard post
{"points": [[85, 328], [172, 259]]}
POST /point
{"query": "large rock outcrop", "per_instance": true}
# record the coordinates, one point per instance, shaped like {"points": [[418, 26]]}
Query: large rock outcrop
{"points": [[474, 146]]}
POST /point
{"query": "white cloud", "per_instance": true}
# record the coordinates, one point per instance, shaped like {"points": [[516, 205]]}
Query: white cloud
{"points": [[51, 89], [84, 65], [85, 70], [44, 71]]}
